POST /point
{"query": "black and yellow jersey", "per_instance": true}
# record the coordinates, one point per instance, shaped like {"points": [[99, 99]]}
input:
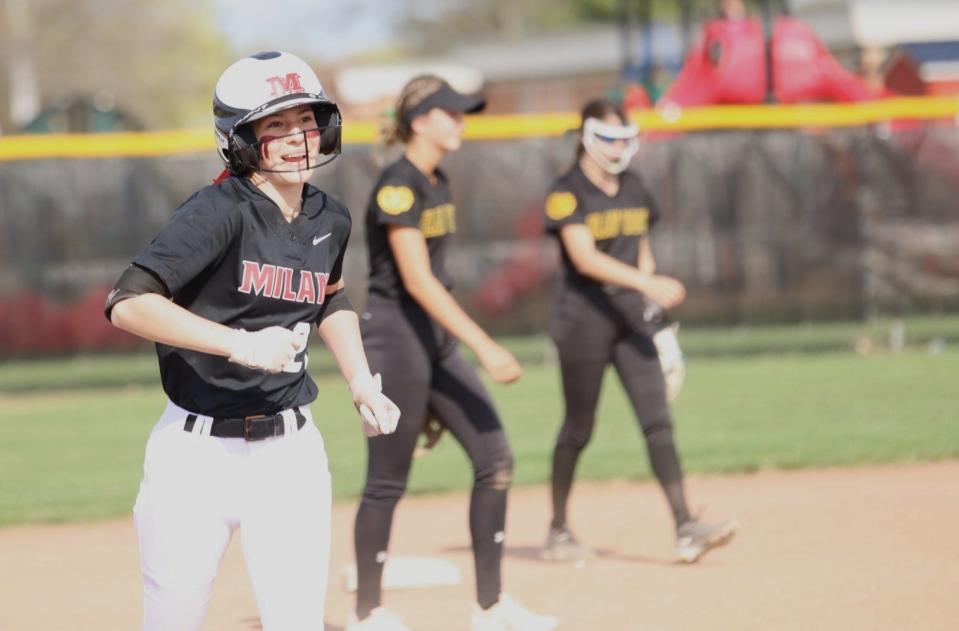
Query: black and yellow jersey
{"points": [[404, 196], [617, 223]]}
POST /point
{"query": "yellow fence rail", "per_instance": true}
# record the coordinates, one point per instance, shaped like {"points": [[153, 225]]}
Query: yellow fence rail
{"points": [[820, 115]]}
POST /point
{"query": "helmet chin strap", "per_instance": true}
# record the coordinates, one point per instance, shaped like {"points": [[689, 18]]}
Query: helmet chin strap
{"points": [[594, 129]]}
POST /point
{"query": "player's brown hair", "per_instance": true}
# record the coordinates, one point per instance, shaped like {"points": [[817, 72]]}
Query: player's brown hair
{"points": [[597, 108], [412, 94]]}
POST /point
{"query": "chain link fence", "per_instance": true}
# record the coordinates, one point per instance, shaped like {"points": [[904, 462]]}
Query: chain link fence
{"points": [[762, 226]]}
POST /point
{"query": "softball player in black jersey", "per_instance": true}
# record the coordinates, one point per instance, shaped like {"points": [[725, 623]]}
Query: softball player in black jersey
{"points": [[609, 310], [410, 328], [229, 291]]}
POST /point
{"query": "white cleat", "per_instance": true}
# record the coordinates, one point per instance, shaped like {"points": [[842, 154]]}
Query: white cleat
{"points": [[561, 545], [696, 538], [380, 619], [509, 615]]}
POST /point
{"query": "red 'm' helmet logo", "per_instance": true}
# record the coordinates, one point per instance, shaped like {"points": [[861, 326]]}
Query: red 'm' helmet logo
{"points": [[285, 85]]}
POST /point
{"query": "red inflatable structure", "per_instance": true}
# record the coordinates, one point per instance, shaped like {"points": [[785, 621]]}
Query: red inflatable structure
{"points": [[729, 65]]}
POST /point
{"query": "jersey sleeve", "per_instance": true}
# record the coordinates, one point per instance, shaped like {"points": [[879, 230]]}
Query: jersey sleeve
{"points": [[343, 234], [395, 202], [197, 234], [562, 208], [654, 213], [651, 203]]}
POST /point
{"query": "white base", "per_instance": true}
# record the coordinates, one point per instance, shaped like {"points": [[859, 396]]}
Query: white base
{"points": [[408, 573]]}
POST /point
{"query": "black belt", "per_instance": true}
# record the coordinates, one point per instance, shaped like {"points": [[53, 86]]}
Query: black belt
{"points": [[256, 427]]}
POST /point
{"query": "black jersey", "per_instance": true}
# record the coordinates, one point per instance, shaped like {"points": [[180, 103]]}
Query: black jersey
{"points": [[229, 255], [617, 223], [404, 196]]}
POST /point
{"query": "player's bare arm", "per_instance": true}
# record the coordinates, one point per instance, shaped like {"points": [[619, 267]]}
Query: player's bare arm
{"points": [[412, 259], [589, 261], [159, 319], [645, 261], [340, 332]]}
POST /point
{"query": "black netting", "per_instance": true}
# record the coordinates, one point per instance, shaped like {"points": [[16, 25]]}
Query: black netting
{"points": [[779, 225]]}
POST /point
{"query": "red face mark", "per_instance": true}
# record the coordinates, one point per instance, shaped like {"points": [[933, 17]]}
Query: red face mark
{"points": [[265, 146], [308, 138]]}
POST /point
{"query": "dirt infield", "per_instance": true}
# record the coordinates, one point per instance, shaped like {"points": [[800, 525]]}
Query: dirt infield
{"points": [[867, 548]]}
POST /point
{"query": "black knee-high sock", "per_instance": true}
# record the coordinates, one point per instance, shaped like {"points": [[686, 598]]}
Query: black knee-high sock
{"points": [[565, 458], [487, 527], [371, 536], [665, 464]]}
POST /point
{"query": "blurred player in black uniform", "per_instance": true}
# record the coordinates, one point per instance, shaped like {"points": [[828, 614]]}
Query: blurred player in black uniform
{"points": [[230, 290], [610, 308], [410, 328]]}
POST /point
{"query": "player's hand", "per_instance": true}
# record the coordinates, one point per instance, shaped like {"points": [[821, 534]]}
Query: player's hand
{"points": [[499, 363], [667, 292], [269, 349], [378, 413]]}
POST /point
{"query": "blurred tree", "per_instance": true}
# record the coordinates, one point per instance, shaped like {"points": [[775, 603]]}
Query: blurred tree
{"points": [[435, 26], [24, 99], [155, 60]]}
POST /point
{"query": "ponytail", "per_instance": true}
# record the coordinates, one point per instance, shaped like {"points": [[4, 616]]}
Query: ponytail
{"points": [[416, 89]]}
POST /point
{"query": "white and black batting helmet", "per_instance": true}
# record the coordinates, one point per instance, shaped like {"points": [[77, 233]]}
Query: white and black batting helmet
{"points": [[263, 84]]}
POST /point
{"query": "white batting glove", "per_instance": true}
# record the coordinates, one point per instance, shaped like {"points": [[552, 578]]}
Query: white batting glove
{"points": [[671, 359], [378, 413], [268, 350]]}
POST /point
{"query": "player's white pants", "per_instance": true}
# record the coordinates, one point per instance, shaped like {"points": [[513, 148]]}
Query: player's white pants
{"points": [[197, 489]]}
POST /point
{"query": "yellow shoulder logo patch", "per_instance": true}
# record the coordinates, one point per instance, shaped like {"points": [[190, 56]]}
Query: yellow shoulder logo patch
{"points": [[560, 205], [395, 200]]}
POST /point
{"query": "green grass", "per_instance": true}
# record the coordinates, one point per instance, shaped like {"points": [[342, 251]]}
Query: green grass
{"points": [[111, 371], [77, 455]]}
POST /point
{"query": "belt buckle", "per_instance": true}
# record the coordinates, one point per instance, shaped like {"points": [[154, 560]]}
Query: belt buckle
{"points": [[248, 425]]}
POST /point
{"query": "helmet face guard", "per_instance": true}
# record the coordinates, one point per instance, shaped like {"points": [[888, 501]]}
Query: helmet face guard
{"points": [[599, 135], [301, 151]]}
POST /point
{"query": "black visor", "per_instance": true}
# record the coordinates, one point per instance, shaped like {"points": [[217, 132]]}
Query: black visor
{"points": [[446, 98]]}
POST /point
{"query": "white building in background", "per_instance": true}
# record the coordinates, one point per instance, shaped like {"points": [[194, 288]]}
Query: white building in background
{"points": [[917, 42], [886, 23], [368, 90], [557, 72]]}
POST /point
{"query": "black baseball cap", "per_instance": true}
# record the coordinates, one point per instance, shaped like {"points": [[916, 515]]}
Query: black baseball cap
{"points": [[446, 98]]}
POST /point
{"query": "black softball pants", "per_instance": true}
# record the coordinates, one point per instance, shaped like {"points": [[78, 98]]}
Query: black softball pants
{"points": [[590, 332], [424, 373]]}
